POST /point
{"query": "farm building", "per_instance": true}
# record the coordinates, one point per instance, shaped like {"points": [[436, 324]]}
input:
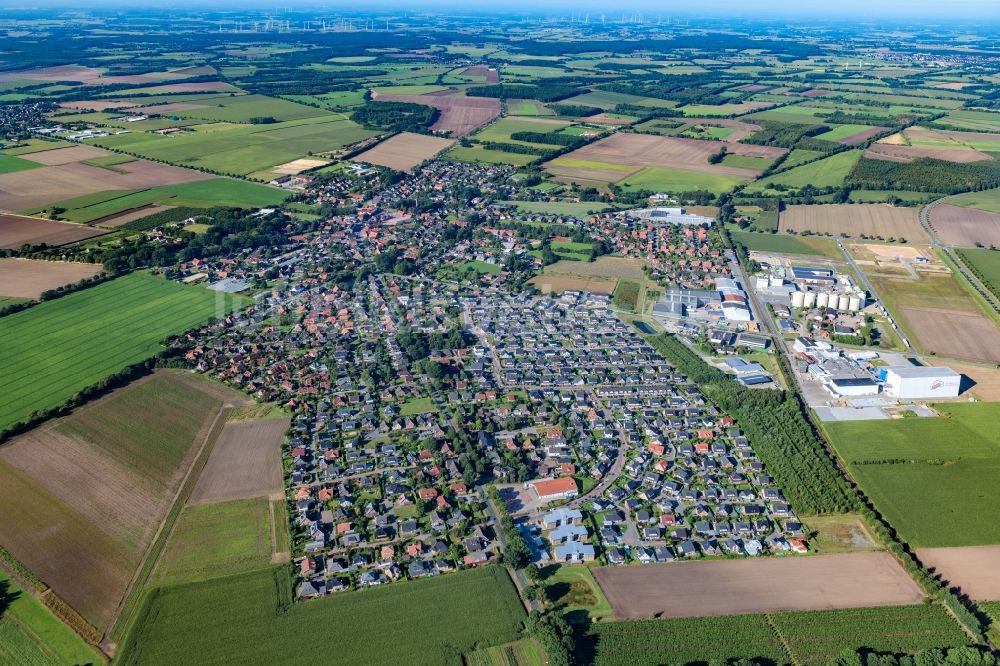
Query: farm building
{"points": [[812, 275], [907, 382]]}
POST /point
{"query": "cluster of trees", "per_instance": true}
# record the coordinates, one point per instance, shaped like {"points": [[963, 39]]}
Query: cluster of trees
{"points": [[784, 135], [391, 260], [418, 345], [576, 110], [925, 175], [716, 158], [395, 116], [543, 92], [551, 138], [955, 656], [555, 634]]}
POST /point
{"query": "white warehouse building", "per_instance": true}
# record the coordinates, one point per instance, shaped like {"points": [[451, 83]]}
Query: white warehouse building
{"points": [[909, 382]]}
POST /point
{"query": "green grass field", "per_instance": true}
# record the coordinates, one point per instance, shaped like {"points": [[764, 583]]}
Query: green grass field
{"points": [[842, 131], [810, 637], [985, 200], [985, 264], [241, 149], [31, 635], [199, 194], [774, 243], [676, 180], [10, 164], [417, 406], [574, 208], [933, 478], [248, 619], [218, 539], [479, 154], [828, 172], [54, 349], [798, 156]]}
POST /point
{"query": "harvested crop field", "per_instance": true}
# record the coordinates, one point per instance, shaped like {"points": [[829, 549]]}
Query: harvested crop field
{"points": [[86, 75], [964, 335], [460, 115], [490, 75], [83, 496], [897, 153], [879, 220], [36, 188], [97, 104], [600, 276], [731, 587], [973, 569], [172, 107], [966, 227], [28, 278], [861, 137], [118, 219], [67, 155], [646, 150], [245, 463], [404, 151], [16, 230], [299, 165]]}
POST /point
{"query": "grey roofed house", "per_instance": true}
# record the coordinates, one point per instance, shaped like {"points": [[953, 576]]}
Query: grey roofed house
{"points": [[574, 551], [310, 589]]}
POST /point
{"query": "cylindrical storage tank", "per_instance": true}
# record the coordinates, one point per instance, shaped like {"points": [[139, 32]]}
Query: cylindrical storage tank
{"points": [[798, 299], [844, 302], [810, 299], [822, 300], [855, 304]]}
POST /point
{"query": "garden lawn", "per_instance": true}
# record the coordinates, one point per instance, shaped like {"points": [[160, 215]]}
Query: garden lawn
{"points": [[249, 619], [933, 478], [56, 348]]}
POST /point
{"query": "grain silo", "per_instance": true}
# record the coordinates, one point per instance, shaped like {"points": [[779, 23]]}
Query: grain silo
{"points": [[855, 303], [822, 300], [798, 299], [810, 299], [844, 302]]}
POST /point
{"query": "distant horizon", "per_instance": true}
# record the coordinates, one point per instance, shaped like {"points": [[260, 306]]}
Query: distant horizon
{"points": [[895, 10]]}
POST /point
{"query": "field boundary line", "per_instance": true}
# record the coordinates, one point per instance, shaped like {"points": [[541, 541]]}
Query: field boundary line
{"points": [[129, 605]]}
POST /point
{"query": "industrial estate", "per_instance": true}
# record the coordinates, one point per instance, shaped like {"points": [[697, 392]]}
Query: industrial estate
{"points": [[560, 338]]}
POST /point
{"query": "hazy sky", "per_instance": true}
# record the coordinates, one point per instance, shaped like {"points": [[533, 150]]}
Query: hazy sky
{"points": [[984, 10]]}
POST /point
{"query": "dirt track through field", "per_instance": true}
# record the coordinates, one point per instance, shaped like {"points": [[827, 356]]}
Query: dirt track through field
{"points": [[245, 463], [762, 585], [965, 227], [973, 569], [28, 278]]}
